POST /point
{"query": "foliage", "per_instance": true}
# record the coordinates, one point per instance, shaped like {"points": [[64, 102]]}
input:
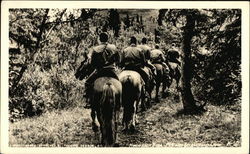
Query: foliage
{"points": [[216, 51], [42, 74], [219, 71], [47, 45], [41, 91]]}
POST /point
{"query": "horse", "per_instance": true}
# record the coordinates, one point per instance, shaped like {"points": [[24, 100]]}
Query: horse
{"points": [[132, 93], [149, 87], [105, 103], [174, 66], [84, 69], [160, 79], [175, 73]]}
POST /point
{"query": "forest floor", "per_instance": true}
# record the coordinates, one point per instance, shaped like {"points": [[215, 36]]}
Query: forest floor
{"points": [[159, 126]]}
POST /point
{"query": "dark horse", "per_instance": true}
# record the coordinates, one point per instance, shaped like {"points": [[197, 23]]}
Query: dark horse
{"points": [[105, 103], [161, 78], [148, 89], [132, 93], [174, 66], [175, 73]]}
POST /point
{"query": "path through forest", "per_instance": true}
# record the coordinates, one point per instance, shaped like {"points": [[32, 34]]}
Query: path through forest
{"points": [[161, 125]]}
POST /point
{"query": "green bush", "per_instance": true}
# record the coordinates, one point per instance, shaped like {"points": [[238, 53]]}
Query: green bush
{"points": [[40, 91]]}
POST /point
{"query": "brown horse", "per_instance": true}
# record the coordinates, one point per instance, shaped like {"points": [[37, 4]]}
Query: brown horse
{"points": [[161, 78], [175, 73], [105, 102], [132, 93], [172, 60], [149, 87]]}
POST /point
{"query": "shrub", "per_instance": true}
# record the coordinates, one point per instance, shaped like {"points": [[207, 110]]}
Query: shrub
{"points": [[40, 91]]}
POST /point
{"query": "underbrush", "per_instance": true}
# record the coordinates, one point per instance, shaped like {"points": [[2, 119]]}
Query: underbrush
{"points": [[40, 91]]}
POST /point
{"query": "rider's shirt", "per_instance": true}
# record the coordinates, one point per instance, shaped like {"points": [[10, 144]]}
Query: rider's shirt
{"points": [[146, 50], [104, 56], [157, 56], [133, 56]]}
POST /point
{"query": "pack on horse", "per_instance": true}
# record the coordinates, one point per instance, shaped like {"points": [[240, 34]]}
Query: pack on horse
{"points": [[158, 59], [103, 89], [133, 80]]}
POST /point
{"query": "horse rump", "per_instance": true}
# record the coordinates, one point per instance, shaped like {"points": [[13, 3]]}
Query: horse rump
{"points": [[107, 115], [131, 94]]}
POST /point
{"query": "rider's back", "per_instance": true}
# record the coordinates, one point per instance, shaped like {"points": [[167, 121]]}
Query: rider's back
{"points": [[156, 55], [104, 56], [133, 55], [146, 50]]}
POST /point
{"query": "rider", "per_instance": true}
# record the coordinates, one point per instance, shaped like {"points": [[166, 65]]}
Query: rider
{"points": [[173, 54], [103, 58], [157, 56], [146, 49], [133, 58]]}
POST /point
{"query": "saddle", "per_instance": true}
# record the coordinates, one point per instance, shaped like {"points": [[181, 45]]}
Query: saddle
{"points": [[107, 73], [141, 71]]}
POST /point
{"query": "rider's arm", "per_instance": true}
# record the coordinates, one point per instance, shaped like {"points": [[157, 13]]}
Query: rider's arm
{"points": [[163, 58], [143, 59], [122, 57]]}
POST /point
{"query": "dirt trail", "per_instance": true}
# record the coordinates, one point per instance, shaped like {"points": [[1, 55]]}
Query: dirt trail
{"points": [[158, 126], [148, 129]]}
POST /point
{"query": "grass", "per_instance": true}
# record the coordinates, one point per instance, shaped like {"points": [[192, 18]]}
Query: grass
{"points": [[57, 128], [159, 126]]}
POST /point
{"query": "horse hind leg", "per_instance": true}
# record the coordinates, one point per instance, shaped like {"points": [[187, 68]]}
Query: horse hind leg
{"points": [[164, 89], [143, 101], [157, 100], [94, 125], [133, 116], [125, 119]]}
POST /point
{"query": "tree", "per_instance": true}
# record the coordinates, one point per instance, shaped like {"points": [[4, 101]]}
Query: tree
{"points": [[218, 71], [29, 38], [127, 21], [187, 96], [39, 35], [207, 29], [114, 21], [161, 16], [190, 17]]}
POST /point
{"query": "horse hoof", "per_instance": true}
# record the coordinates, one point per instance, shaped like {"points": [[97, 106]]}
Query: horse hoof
{"points": [[132, 128], [157, 100], [143, 109], [116, 145], [95, 128]]}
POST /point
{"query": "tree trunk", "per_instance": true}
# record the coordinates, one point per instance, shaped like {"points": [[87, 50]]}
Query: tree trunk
{"points": [[186, 93], [13, 89]]}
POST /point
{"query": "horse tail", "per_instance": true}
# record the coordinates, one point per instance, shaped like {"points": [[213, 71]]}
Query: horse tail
{"points": [[127, 89], [107, 107]]}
